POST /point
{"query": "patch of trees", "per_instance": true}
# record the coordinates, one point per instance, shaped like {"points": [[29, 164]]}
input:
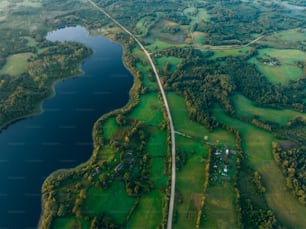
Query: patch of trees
{"points": [[256, 87], [293, 164], [253, 207], [130, 140], [22, 94], [232, 22]]}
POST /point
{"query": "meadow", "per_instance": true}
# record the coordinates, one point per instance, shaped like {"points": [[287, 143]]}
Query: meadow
{"points": [[245, 108], [16, 64], [286, 70], [257, 146]]}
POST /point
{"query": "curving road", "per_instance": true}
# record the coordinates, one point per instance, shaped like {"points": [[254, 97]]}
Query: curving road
{"points": [[173, 169]]}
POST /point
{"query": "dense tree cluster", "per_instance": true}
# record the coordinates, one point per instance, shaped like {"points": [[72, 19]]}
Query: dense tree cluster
{"points": [[293, 164], [21, 95], [253, 207]]}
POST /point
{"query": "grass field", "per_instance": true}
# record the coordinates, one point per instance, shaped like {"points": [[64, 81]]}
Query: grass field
{"points": [[231, 52], [16, 64], [110, 127], [257, 146], [288, 38], [148, 110], [190, 179], [70, 222], [288, 69], [172, 61], [148, 213], [189, 182], [191, 128], [244, 107], [220, 207], [157, 143], [159, 44], [114, 202]]}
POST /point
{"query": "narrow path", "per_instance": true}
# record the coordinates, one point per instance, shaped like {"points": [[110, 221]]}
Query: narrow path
{"points": [[173, 169]]}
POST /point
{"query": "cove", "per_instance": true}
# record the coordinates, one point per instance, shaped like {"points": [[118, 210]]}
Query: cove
{"points": [[60, 137]]}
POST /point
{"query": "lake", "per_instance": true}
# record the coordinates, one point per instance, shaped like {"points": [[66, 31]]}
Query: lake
{"points": [[60, 137]]}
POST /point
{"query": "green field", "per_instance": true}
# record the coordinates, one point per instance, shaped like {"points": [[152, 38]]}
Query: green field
{"points": [[244, 107], [110, 127], [172, 61], [287, 38], [189, 182], [190, 179], [148, 213], [287, 70], [16, 64], [148, 110], [231, 52], [157, 143], [114, 202], [70, 222], [257, 146], [220, 207], [191, 128]]}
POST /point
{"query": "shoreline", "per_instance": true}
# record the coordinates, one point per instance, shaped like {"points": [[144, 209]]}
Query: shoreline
{"points": [[39, 107], [132, 102]]}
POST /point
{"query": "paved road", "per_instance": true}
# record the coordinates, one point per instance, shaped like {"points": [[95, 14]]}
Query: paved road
{"points": [[173, 175]]}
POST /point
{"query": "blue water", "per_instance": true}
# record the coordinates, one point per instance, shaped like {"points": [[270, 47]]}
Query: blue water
{"points": [[60, 137]]}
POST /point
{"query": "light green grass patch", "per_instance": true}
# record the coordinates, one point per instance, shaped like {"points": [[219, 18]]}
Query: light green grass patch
{"points": [[149, 109], [189, 182], [70, 223], [110, 127], [148, 213], [157, 172], [157, 145], [29, 3], [288, 69], [16, 64], [113, 201], [172, 61], [199, 37], [244, 107], [257, 146], [31, 41], [191, 128], [231, 52], [150, 84], [219, 207], [190, 145], [291, 35], [158, 45]]}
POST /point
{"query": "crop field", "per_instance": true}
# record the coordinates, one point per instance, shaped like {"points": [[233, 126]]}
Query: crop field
{"points": [[257, 146], [246, 108], [16, 64], [287, 69]]}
